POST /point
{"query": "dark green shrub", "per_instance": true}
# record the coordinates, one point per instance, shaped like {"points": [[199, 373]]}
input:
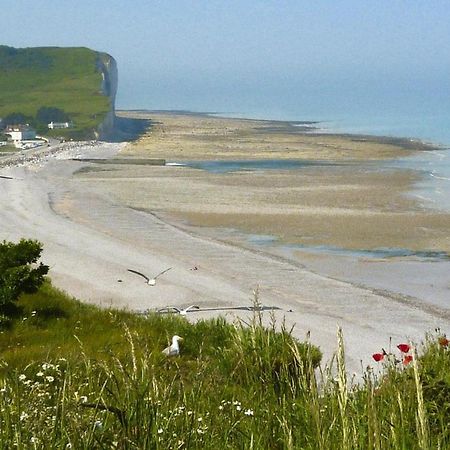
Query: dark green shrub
{"points": [[19, 270]]}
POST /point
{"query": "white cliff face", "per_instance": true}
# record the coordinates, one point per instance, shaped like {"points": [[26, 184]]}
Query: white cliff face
{"points": [[108, 67]]}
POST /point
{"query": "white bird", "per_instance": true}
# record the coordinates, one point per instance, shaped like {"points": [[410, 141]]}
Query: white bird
{"points": [[174, 309], [150, 281], [174, 349]]}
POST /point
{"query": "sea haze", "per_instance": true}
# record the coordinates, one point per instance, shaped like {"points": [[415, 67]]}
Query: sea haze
{"points": [[380, 105]]}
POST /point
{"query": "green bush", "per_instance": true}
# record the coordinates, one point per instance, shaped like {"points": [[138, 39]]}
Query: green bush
{"points": [[19, 271]]}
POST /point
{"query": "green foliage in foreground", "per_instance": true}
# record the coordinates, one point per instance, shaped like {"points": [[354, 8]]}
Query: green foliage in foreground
{"points": [[19, 271], [76, 376], [51, 77]]}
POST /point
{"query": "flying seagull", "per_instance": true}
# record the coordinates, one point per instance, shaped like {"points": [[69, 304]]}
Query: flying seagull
{"points": [[150, 281], [174, 309], [174, 349]]}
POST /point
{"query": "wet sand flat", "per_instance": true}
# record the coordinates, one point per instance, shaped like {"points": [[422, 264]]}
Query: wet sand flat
{"points": [[184, 136], [341, 208], [352, 202]]}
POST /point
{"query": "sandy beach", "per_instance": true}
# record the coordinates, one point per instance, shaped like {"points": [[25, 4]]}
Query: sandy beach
{"points": [[97, 220]]}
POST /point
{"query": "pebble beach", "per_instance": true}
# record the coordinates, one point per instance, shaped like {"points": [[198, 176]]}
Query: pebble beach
{"points": [[96, 221]]}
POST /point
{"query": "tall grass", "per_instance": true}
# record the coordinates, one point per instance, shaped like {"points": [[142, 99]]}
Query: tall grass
{"points": [[87, 378]]}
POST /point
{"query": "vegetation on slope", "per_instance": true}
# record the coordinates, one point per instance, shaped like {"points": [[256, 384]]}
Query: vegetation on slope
{"points": [[64, 78], [75, 376]]}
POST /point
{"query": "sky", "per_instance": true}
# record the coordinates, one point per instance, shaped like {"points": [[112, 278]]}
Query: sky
{"points": [[250, 56]]}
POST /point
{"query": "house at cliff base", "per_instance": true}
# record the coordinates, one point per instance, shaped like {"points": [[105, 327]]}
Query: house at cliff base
{"points": [[20, 132]]}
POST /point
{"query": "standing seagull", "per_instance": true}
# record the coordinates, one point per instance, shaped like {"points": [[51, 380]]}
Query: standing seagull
{"points": [[174, 349], [150, 281]]}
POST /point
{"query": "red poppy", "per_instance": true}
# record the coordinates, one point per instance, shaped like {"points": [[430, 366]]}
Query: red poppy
{"points": [[407, 359], [404, 348], [443, 341], [378, 357]]}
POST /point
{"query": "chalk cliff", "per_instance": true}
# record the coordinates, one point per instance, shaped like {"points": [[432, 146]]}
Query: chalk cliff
{"points": [[107, 65]]}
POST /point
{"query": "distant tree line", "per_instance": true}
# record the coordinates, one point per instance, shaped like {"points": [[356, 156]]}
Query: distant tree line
{"points": [[44, 116]]}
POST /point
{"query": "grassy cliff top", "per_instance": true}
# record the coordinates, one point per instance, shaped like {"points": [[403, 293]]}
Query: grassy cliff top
{"points": [[65, 78]]}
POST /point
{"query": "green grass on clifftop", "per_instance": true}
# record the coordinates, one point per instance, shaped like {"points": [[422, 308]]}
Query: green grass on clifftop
{"points": [[64, 78]]}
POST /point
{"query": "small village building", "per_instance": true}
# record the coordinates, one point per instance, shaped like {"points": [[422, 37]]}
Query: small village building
{"points": [[20, 132], [59, 125]]}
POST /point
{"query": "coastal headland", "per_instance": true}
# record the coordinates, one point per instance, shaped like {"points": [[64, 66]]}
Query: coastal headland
{"points": [[98, 220]]}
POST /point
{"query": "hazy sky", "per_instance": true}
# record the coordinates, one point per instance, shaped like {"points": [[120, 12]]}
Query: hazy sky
{"points": [[214, 54]]}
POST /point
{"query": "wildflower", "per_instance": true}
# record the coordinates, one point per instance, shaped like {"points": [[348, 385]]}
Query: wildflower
{"points": [[443, 341], [39, 374], [160, 431], [22, 377], [50, 379], [220, 407], [238, 407], [407, 359], [23, 416], [404, 348], [378, 357], [199, 419], [248, 412]]}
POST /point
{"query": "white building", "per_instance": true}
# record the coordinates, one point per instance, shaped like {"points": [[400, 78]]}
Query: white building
{"points": [[57, 125], [20, 132]]}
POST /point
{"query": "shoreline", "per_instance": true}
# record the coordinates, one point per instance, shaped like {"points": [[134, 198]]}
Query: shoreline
{"points": [[91, 237]]}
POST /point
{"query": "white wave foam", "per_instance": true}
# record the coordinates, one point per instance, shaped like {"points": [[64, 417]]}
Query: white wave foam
{"points": [[439, 177]]}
